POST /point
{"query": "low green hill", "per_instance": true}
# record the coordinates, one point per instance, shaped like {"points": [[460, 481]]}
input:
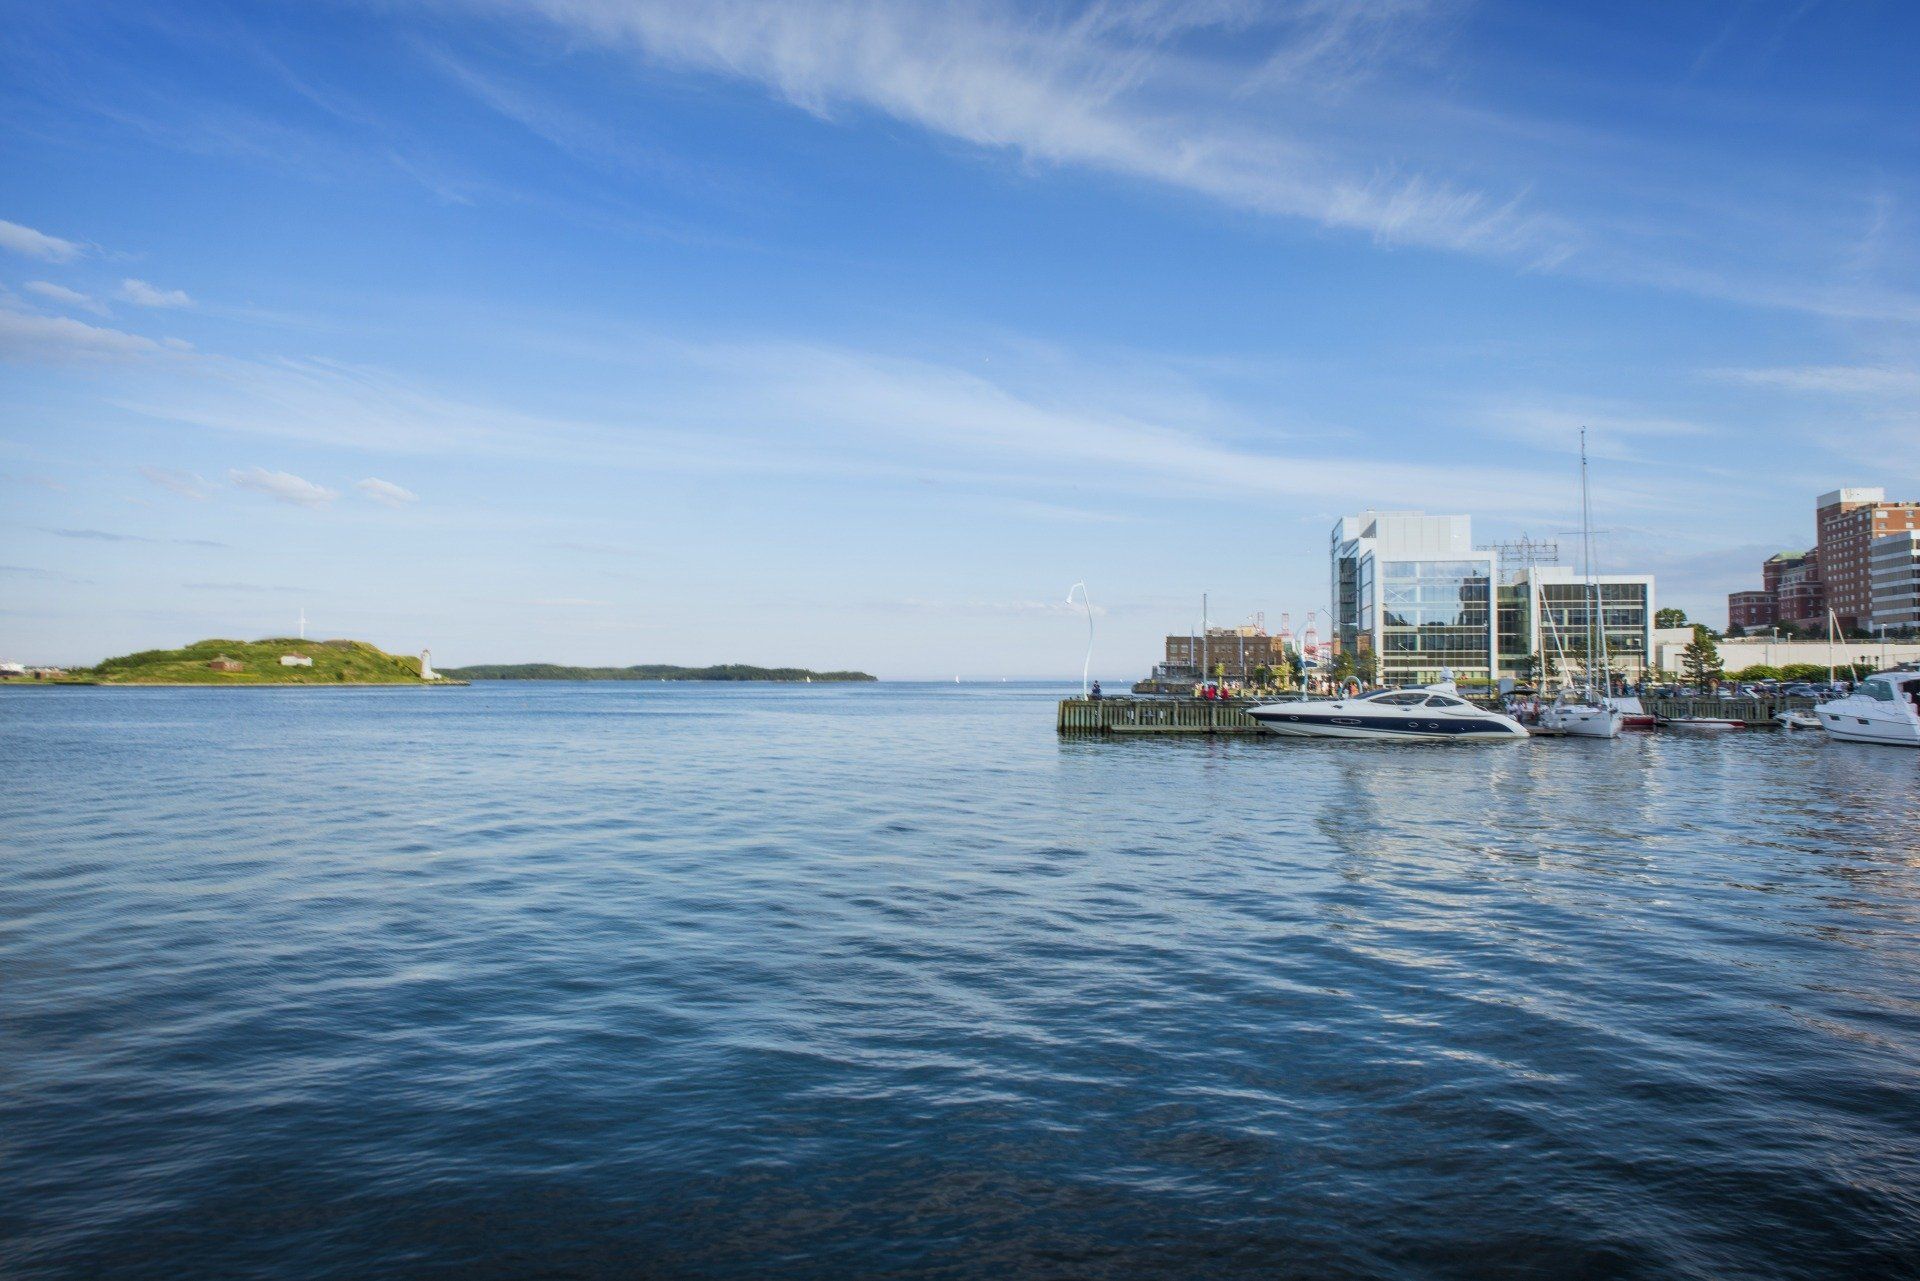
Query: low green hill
{"points": [[646, 672], [335, 662]]}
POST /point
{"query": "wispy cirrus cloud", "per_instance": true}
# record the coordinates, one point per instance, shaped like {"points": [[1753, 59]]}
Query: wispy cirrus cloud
{"points": [[1100, 89], [184, 483], [37, 244], [109, 536], [1837, 380], [66, 297], [140, 293], [1349, 116], [30, 338], [284, 487], [385, 492]]}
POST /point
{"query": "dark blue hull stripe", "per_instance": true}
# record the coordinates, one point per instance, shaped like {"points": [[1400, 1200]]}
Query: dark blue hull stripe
{"points": [[1385, 724]]}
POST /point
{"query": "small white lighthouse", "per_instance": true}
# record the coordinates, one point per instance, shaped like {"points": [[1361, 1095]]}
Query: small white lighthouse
{"points": [[426, 666]]}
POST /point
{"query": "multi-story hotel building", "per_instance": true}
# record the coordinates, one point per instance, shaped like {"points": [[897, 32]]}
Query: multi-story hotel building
{"points": [[1893, 569], [1849, 521], [1752, 609]]}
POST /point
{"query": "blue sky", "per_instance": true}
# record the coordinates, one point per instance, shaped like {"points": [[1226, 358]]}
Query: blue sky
{"points": [[853, 334]]}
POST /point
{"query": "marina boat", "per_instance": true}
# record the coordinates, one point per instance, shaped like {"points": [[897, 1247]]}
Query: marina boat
{"points": [[1435, 713], [1797, 718], [1884, 709], [1699, 722], [1581, 712], [1581, 716], [1633, 715]]}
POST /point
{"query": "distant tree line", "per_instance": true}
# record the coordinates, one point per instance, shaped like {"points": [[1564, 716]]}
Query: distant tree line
{"points": [[644, 672]]}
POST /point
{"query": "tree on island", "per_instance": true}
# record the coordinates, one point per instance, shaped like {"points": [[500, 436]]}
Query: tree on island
{"points": [[1701, 658], [1670, 617]]}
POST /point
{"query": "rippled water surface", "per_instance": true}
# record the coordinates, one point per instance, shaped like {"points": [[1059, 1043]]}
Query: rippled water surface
{"points": [[641, 980]]}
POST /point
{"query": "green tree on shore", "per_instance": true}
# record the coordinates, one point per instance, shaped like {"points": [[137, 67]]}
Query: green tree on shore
{"points": [[1701, 658]]}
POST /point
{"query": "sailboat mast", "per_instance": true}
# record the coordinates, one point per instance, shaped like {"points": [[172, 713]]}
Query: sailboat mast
{"points": [[1596, 615], [1586, 554]]}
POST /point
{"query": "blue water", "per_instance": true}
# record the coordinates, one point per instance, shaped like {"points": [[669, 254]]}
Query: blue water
{"points": [[641, 980]]}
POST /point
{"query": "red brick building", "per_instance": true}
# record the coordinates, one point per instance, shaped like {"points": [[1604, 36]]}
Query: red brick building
{"points": [[1793, 578], [1849, 520], [1751, 609]]}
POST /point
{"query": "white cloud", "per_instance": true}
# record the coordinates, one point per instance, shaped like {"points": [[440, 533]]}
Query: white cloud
{"points": [[1100, 91], [37, 244], [386, 493], [1612, 431], [1839, 380], [27, 337], [184, 483], [66, 297], [283, 487], [146, 295], [802, 409]]}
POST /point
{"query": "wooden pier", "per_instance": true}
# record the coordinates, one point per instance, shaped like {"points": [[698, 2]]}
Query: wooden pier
{"points": [[1080, 716], [1754, 713], [1156, 716]]}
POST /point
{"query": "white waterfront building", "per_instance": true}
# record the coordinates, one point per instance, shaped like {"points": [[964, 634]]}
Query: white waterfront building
{"points": [[1413, 589]]}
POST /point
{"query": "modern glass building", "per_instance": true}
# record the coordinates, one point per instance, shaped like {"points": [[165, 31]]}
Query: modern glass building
{"points": [[1411, 589], [1544, 622]]}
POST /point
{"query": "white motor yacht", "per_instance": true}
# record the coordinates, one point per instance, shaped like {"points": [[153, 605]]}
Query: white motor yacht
{"points": [[1435, 713], [1885, 708], [1578, 715]]}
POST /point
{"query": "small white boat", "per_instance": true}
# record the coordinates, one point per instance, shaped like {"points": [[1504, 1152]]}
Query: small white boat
{"points": [[1698, 722], [1434, 713], [1580, 716], [1797, 718], [1884, 709]]}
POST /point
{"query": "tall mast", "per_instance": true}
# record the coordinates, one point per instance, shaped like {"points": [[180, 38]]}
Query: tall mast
{"points": [[1596, 633]]}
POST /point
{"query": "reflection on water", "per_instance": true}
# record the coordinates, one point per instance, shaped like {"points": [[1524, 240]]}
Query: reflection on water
{"points": [[824, 981]]}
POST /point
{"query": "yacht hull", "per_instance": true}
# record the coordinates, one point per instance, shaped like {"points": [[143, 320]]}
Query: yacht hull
{"points": [[1383, 728], [1857, 729], [1581, 722], [1885, 709]]}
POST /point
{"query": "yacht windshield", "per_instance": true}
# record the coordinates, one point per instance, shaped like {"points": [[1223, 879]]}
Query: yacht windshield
{"points": [[1441, 700], [1400, 698]]}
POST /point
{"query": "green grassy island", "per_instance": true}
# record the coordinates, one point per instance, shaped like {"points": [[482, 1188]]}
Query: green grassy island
{"points": [[243, 663], [646, 672]]}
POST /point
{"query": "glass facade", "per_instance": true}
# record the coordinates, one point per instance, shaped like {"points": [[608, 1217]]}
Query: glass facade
{"points": [[1566, 613], [1417, 592], [1514, 623], [1435, 615]]}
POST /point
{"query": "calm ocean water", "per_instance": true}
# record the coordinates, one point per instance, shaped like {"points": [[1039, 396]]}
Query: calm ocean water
{"points": [[642, 980]]}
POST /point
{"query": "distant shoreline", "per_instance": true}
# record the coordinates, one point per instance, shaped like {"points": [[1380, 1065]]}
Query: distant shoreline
{"points": [[58, 683], [719, 673]]}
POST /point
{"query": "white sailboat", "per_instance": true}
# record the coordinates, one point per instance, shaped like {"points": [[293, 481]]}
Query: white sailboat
{"points": [[1585, 713]]}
